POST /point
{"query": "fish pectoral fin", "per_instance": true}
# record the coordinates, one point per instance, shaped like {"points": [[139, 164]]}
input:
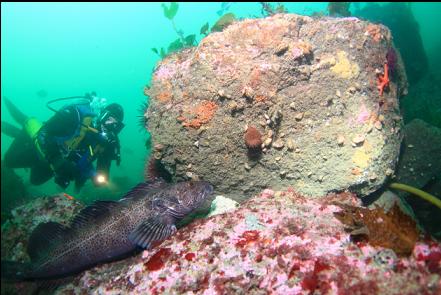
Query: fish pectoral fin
{"points": [[152, 230]]}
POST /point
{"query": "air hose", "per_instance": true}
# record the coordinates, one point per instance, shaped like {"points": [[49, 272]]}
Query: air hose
{"points": [[87, 96], [422, 194]]}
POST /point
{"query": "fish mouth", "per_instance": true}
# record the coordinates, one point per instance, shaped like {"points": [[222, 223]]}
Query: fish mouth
{"points": [[207, 193], [204, 197], [209, 188]]}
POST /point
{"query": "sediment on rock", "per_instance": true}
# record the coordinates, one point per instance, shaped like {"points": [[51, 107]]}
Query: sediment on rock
{"points": [[318, 90]]}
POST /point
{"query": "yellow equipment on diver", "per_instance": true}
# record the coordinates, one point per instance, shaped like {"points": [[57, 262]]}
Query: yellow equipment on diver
{"points": [[32, 126]]}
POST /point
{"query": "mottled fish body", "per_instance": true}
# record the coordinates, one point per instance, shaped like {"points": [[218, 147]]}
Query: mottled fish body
{"points": [[108, 230]]}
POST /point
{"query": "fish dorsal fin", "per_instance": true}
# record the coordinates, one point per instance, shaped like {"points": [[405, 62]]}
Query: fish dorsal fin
{"points": [[153, 229], [141, 189], [92, 212], [44, 237]]}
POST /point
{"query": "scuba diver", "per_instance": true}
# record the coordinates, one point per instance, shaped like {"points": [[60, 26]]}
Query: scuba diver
{"points": [[66, 146]]}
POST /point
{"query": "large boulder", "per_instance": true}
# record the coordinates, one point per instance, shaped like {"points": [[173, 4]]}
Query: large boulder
{"points": [[399, 18], [308, 95]]}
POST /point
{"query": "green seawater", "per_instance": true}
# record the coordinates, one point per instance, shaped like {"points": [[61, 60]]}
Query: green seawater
{"points": [[51, 50]]}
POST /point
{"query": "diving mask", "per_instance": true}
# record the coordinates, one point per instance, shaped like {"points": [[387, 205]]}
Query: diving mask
{"points": [[110, 124]]}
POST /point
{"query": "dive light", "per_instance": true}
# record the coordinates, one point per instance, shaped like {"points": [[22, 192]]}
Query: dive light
{"points": [[101, 179]]}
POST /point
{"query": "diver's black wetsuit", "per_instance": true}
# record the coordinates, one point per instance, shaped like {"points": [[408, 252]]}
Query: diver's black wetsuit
{"points": [[23, 153]]}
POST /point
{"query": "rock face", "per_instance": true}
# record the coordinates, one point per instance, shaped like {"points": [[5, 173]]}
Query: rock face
{"points": [[17, 229], [316, 89], [278, 243], [420, 166], [24, 219], [420, 162], [398, 17]]}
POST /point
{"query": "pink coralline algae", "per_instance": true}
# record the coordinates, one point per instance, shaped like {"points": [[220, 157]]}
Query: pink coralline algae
{"points": [[248, 237], [16, 231], [363, 116], [429, 255], [276, 242], [167, 71], [164, 72]]}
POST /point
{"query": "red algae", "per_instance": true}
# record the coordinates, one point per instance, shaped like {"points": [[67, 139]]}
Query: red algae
{"points": [[432, 260], [154, 291], [311, 280], [275, 259], [248, 237], [259, 258], [320, 266], [157, 261], [190, 256], [362, 288], [294, 268]]}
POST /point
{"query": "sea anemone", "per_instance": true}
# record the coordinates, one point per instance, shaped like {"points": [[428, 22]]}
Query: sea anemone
{"points": [[253, 138], [156, 170]]}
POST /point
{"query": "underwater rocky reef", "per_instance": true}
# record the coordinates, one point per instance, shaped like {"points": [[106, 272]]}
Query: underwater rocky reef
{"points": [[297, 119], [17, 229], [13, 191], [281, 101], [276, 242]]}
